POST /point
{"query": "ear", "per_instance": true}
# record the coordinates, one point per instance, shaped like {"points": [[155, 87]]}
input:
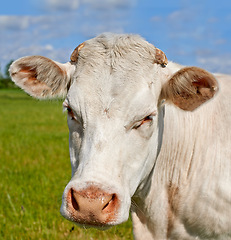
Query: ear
{"points": [[189, 88], [42, 77]]}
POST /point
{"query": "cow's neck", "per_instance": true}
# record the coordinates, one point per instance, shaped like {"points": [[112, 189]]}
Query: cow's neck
{"points": [[180, 157]]}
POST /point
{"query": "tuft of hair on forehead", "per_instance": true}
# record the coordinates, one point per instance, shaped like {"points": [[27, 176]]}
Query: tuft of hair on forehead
{"points": [[126, 43], [131, 47]]}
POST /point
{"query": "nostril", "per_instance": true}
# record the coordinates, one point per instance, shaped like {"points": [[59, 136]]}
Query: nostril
{"points": [[106, 205], [110, 203], [73, 201], [92, 206]]}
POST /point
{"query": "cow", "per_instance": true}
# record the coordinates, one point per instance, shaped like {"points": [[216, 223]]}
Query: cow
{"points": [[145, 135]]}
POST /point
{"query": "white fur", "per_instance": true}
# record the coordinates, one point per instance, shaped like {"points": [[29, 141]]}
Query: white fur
{"points": [[175, 170]]}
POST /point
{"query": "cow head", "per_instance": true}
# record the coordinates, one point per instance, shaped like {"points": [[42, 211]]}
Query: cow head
{"points": [[115, 86]]}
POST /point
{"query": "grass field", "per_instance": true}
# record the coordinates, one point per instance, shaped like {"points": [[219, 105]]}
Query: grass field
{"points": [[34, 171]]}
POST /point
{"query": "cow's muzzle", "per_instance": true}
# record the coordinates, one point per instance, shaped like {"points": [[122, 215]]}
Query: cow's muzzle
{"points": [[92, 206]]}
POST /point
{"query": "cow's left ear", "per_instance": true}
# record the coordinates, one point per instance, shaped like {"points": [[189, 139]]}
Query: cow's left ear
{"points": [[42, 77], [189, 88]]}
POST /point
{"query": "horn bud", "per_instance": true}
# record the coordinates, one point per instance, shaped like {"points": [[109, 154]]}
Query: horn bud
{"points": [[75, 54], [160, 58]]}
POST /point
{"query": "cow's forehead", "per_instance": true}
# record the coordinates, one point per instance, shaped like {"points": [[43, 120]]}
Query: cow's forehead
{"points": [[113, 72], [127, 100]]}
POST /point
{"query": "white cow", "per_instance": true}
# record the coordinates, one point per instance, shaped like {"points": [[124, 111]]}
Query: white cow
{"points": [[141, 138]]}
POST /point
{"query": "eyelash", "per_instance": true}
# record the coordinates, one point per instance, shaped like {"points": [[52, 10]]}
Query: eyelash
{"points": [[70, 113], [147, 119]]}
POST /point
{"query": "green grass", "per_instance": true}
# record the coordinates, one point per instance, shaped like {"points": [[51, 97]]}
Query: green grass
{"points": [[34, 171]]}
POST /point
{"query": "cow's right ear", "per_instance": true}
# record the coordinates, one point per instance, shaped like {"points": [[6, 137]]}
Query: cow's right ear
{"points": [[41, 77]]}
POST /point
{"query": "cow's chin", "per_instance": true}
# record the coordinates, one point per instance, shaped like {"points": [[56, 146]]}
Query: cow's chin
{"points": [[98, 226], [101, 228], [88, 222]]}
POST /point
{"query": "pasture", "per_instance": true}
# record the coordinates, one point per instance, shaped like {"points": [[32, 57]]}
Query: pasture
{"points": [[34, 171]]}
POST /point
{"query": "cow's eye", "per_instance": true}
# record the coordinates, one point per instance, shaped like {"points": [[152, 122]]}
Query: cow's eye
{"points": [[70, 113], [146, 120]]}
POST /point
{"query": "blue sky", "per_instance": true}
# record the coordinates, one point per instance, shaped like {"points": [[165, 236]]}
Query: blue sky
{"points": [[190, 32]]}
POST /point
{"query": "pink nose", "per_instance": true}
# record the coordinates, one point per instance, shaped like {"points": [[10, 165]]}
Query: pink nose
{"points": [[92, 206]]}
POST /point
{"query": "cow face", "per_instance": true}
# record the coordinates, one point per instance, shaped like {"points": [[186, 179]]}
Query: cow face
{"points": [[114, 87], [113, 141]]}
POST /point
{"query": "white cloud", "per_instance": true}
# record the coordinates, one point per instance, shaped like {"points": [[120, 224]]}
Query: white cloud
{"points": [[61, 26], [110, 4], [33, 35], [47, 50], [33, 50], [216, 63], [67, 5], [213, 20], [36, 28], [220, 41], [23, 23], [14, 22], [156, 19], [72, 5], [91, 31]]}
